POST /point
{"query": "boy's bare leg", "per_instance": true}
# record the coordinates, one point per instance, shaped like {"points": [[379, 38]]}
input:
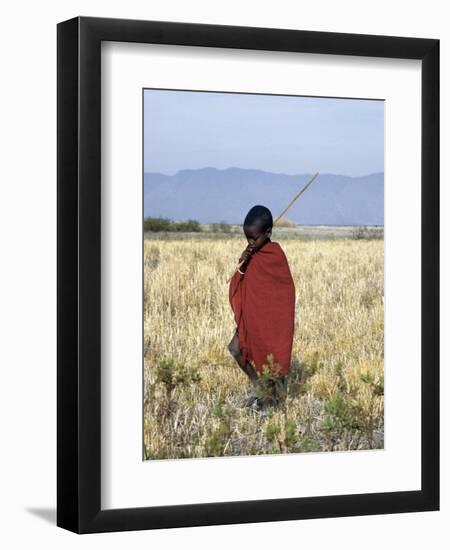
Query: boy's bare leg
{"points": [[234, 349]]}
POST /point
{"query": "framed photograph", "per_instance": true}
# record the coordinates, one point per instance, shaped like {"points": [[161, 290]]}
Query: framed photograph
{"points": [[248, 274]]}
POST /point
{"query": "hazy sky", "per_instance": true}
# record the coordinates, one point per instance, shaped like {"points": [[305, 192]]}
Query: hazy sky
{"points": [[284, 134]]}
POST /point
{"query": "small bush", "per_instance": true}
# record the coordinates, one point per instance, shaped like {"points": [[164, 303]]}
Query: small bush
{"points": [[359, 232], [284, 222], [166, 224], [190, 225], [221, 227], [364, 232], [271, 386], [219, 435], [347, 416], [157, 224], [283, 434], [171, 375]]}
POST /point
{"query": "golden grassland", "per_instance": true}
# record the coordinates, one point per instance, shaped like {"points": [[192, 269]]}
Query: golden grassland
{"points": [[193, 389]]}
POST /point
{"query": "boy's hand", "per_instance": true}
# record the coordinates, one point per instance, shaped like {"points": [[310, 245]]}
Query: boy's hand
{"points": [[246, 255], [252, 247]]}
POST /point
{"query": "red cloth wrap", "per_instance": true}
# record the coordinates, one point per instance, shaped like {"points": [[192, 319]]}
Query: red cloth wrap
{"points": [[263, 303]]}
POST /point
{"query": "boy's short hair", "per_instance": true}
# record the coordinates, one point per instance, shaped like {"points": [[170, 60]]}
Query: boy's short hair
{"points": [[259, 214]]}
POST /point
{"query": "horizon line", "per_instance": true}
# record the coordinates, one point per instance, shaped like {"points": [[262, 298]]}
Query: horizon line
{"points": [[259, 170]]}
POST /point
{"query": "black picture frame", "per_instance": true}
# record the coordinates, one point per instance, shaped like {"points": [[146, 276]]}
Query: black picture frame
{"points": [[79, 282]]}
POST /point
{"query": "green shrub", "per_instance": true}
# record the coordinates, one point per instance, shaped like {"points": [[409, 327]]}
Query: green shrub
{"points": [[283, 435], [347, 417], [190, 225], [166, 224], [218, 436], [172, 374], [157, 224], [221, 227], [364, 232]]}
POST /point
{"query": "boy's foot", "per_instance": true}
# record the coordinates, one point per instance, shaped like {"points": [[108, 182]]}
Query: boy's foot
{"points": [[261, 404], [257, 403], [250, 400], [254, 401]]}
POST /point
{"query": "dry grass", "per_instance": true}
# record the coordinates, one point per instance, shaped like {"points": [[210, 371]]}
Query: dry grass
{"points": [[193, 388]]}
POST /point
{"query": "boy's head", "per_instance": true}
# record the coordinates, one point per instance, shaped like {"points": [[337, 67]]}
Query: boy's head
{"points": [[258, 225]]}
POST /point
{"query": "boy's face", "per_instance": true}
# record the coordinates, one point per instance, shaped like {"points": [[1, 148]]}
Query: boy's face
{"points": [[256, 236]]}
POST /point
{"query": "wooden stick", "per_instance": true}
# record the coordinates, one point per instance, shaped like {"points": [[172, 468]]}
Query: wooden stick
{"points": [[296, 197], [304, 188]]}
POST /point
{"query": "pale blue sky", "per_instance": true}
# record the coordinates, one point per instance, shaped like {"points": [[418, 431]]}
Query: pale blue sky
{"points": [[284, 134]]}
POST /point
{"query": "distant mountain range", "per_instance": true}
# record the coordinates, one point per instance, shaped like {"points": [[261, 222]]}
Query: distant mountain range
{"points": [[210, 195]]}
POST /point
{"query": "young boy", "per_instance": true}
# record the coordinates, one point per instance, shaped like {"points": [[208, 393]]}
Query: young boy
{"points": [[262, 296]]}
